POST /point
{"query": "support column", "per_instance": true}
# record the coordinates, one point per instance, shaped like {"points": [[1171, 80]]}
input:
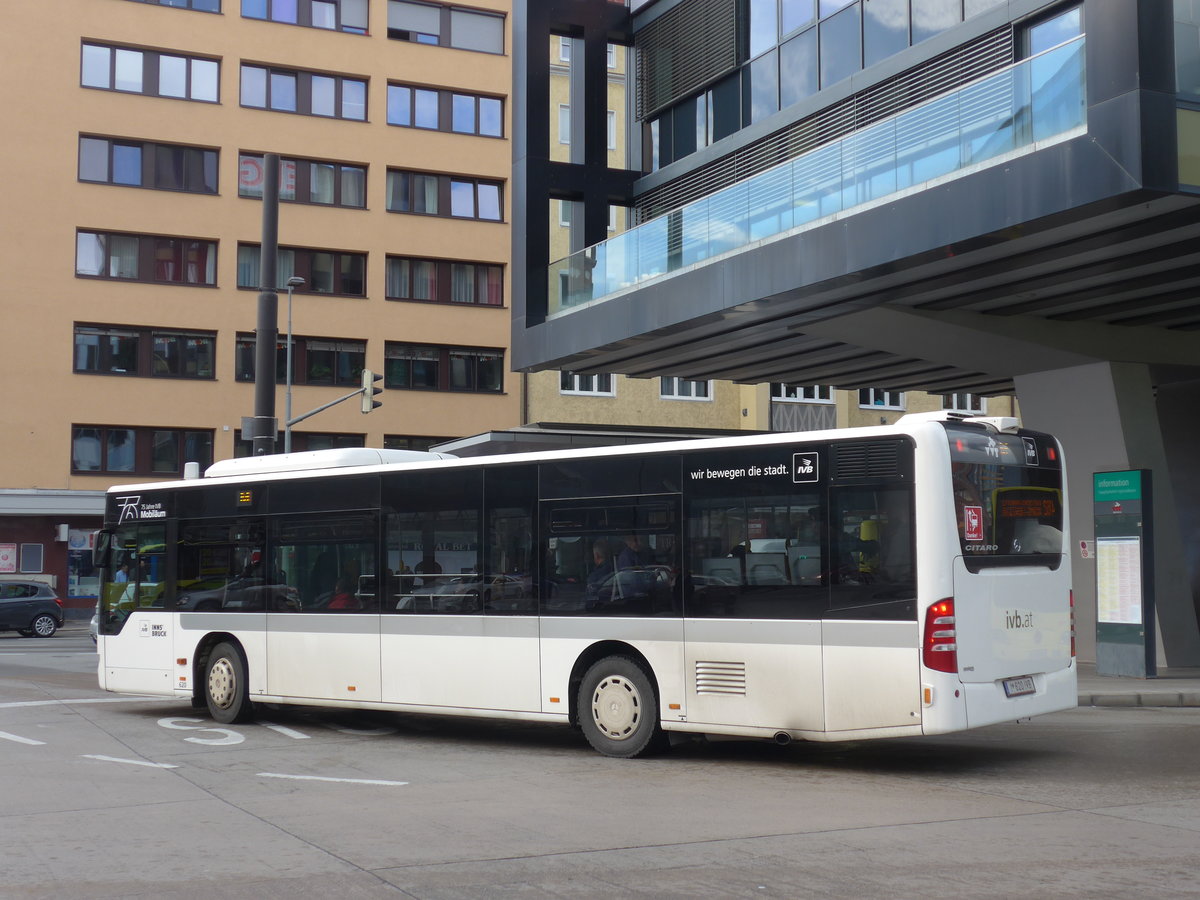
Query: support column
{"points": [[1106, 418]]}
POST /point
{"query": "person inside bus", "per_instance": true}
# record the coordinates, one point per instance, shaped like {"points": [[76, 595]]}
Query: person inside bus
{"points": [[599, 581], [629, 557], [428, 566], [343, 596]]}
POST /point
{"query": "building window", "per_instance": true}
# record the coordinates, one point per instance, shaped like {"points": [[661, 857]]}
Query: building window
{"points": [[323, 271], [564, 49], [444, 281], [612, 56], [112, 450], [456, 196], [302, 441], [201, 5], [430, 367], [32, 559], [319, 181], [315, 361], [307, 93], [153, 72], [163, 167], [564, 123], [144, 352], [411, 442], [802, 393], [612, 130], [334, 15], [416, 107], [672, 388], [964, 403], [445, 26], [598, 385], [880, 399], [143, 257]]}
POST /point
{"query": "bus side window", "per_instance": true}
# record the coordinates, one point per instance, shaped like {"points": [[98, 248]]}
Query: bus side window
{"points": [[871, 552]]}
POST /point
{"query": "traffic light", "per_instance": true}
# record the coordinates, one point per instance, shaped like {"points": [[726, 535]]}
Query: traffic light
{"points": [[370, 389]]}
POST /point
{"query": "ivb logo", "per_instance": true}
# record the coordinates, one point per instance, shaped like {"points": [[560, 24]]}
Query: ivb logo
{"points": [[806, 468]]}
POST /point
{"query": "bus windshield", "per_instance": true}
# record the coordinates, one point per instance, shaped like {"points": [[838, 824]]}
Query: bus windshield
{"points": [[1007, 497]]}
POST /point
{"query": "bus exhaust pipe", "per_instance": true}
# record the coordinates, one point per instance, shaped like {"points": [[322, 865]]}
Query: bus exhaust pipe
{"points": [[782, 738]]}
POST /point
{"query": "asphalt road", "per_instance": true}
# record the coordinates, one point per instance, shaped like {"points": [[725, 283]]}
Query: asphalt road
{"points": [[104, 796]]}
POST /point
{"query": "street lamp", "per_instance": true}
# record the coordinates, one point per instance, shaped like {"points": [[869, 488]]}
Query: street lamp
{"points": [[292, 283]]}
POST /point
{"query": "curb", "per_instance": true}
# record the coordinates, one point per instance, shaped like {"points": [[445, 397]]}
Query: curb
{"points": [[1147, 698]]}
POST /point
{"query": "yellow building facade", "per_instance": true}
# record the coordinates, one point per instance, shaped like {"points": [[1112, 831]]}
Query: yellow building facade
{"points": [[136, 133]]}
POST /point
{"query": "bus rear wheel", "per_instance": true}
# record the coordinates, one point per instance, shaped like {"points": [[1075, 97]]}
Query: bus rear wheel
{"points": [[618, 709], [226, 690]]}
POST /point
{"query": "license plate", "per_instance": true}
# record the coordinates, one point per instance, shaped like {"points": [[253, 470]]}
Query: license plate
{"points": [[1016, 687]]}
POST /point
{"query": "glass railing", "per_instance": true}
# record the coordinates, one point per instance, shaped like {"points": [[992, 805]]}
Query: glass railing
{"points": [[1034, 100]]}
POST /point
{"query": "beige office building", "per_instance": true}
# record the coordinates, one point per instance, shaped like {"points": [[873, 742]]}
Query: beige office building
{"points": [[136, 134]]}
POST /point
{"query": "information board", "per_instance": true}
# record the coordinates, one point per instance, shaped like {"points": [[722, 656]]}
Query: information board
{"points": [[1124, 573]]}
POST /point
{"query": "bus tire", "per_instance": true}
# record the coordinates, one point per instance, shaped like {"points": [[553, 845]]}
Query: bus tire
{"points": [[618, 709], [226, 690]]}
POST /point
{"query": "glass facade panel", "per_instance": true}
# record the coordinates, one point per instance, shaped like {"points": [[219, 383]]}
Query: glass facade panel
{"points": [[841, 47], [798, 72], [764, 26], [885, 29], [930, 17], [760, 87]]}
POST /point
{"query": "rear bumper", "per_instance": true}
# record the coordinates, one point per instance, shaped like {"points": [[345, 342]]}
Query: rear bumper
{"points": [[987, 704]]}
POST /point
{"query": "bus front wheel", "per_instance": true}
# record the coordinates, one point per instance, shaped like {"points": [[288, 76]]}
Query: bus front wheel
{"points": [[225, 685], [618, 709]]}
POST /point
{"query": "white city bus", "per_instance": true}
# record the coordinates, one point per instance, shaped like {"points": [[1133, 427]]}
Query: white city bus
{"points": [[865, 583]]}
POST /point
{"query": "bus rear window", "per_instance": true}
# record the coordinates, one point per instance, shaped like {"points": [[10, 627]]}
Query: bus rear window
{"points": [[1007, 497]]}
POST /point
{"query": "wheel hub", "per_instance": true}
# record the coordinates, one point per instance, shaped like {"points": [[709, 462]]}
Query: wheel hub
{"points": [[222, 683], [616, 708]]}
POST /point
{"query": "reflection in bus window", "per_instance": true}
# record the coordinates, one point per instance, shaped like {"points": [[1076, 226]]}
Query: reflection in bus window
{"points": [[757, 557], [326, 564], [614, 558], [871, 550]]}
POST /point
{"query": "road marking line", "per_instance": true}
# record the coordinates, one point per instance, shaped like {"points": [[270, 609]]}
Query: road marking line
{"points": [[20, 740], [321, 778], [22, 703], [132, 762], [284, 730]]}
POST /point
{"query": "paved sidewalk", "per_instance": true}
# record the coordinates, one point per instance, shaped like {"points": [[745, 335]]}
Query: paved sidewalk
{"points": [[1172, 687]]}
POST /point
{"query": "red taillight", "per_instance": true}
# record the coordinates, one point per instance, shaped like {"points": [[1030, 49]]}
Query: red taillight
{"points": [[1072, 596], [939, 651], [58, 600]]}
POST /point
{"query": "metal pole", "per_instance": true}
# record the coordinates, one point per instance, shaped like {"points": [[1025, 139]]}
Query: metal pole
{"points": [[292, 283], [287, 396], [267, 336]]}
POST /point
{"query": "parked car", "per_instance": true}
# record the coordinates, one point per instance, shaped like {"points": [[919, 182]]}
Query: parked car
{"points": [[30, 608]]}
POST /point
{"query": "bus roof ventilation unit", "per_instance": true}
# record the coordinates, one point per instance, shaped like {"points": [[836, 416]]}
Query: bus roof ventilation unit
{"points": [[317, 459]]}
